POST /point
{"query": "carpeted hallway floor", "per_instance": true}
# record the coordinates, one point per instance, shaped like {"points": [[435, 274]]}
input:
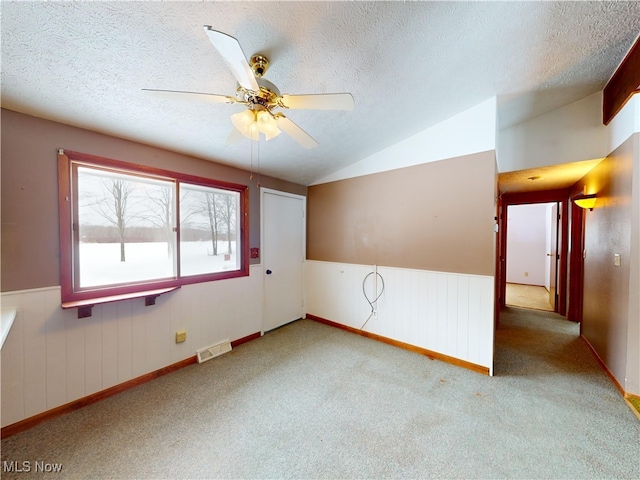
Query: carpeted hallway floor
{"points": [[528, 296], [311, 401]]}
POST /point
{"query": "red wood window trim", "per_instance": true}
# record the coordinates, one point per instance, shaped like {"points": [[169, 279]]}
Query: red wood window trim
{"points": [[73, 298]]}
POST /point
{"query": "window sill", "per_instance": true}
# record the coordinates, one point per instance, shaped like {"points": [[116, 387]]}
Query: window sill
{"points": [[84, 306]]}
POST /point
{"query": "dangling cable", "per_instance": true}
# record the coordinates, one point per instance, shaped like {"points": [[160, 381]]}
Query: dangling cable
{"points": [[372, 302]]}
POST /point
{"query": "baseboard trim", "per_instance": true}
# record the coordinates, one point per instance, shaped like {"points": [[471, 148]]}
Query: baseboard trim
{"points": [[246, 339], [633, 409], [604, 366], [31, 422], [625, 395], [406, 346]]}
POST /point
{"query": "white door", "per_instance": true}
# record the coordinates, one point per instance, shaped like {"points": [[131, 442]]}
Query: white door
{"points": [[283, 252]]}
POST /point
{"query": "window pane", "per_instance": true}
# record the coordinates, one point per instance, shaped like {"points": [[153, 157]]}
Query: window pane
{"points": [[208, 230], [125, 228]]}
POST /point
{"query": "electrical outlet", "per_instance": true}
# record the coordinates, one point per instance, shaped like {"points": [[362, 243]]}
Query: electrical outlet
{"points": [[181, 336], [526, 274], [375, 314]]}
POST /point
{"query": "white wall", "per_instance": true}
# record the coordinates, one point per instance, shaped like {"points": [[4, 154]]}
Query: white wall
{"points": [[527, 239], [569, 134], [447, 313], [471, 131], [624, 124], [51, 357]]}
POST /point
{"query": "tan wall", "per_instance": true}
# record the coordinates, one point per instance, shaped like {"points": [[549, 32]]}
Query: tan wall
{"points": [[30, 246], [436, 216], [633, 341], [606, 316]]}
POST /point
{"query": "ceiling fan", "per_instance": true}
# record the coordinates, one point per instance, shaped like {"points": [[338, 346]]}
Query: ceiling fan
{"points": [[261, 97]]}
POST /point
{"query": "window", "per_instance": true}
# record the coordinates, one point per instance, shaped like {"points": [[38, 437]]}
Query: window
{"points": [[127, 228]]}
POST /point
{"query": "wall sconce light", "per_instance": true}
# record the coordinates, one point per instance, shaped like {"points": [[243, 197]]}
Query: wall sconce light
{"points": [[585, 201]]}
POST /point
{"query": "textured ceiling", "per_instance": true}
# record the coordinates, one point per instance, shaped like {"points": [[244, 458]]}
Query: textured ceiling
{"points": [[409, 65], [554, 177]]}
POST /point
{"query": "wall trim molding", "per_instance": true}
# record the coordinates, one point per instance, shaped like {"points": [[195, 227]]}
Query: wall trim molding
{"points": [[406, 346], [30, 290], [438, 272], [35, 420], [625, 395]]}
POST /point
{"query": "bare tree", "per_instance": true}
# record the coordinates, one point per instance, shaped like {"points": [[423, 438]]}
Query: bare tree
{"points": [[113, 207], [211, 210], [208, 210], [161, 213], [227, 212]]}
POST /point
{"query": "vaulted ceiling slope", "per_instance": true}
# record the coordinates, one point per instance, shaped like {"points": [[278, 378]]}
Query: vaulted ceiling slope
{"points": [[408, 65]]}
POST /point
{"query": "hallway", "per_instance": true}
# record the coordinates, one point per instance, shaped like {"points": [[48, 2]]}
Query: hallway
{"points": [[528, 296]]}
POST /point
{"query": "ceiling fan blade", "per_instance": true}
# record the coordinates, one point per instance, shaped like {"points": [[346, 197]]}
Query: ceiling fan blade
{"points": [[203, 97], [326, 101], [234, 57], [235, 137], [293, 130]]}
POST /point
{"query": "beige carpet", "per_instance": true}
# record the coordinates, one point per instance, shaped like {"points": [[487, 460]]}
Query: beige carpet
{"points": [[528, 296], [309, 401]]}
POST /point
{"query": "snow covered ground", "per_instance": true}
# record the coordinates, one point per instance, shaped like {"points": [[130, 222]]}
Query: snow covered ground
{"points": [[100, 262]]}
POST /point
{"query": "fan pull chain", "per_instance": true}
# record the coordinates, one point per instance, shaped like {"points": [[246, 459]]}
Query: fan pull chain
{"points": [[257, 157], [251, 176]]}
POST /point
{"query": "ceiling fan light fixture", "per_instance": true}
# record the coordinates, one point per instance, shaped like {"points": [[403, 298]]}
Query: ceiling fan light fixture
{"points": [[252, 123], [243, 120], [267, 124], [254, 132]]}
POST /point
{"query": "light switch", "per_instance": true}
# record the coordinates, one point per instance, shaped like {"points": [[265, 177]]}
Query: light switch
{"points": [[616, 259]]}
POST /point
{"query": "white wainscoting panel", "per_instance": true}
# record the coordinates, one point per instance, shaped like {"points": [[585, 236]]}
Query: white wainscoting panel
{"points": [[51, 357], [447, 313]]}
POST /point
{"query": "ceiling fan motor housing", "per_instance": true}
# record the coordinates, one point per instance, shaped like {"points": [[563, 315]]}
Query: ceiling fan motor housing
{"points": [[267, 97], [259, 64]]}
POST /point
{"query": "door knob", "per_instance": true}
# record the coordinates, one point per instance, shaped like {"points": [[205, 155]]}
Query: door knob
{"points": [[269, 272]]}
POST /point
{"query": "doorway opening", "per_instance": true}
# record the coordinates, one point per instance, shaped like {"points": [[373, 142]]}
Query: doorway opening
{"points": [[553, 241], [532, 263]]}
